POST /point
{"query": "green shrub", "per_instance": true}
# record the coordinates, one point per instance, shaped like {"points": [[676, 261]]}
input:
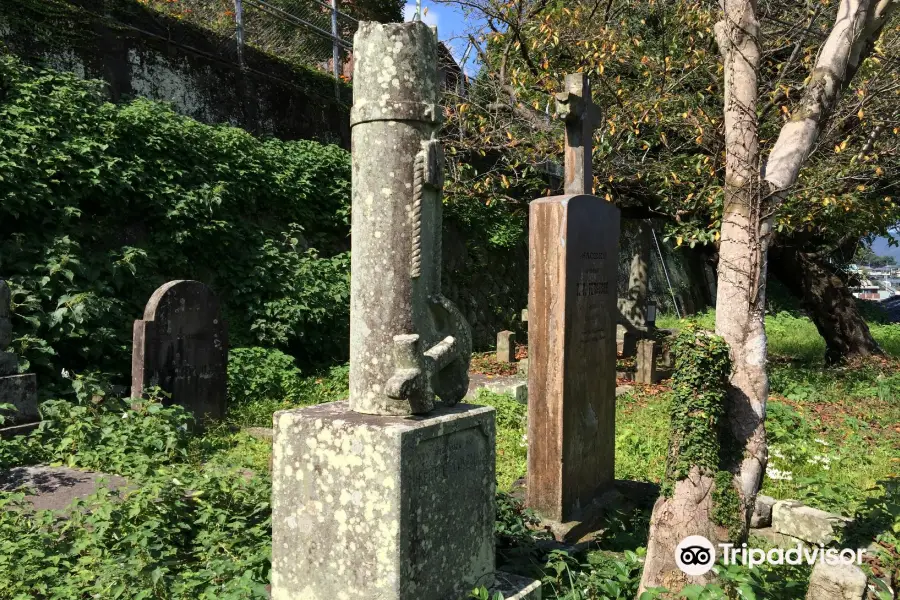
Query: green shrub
{"points": [[101, 432], [256, 374], [101, 203], [181, 534]]}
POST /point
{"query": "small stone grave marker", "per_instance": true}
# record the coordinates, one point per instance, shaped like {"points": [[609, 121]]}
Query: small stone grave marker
{"points": [[181, 345], [506, 347]]}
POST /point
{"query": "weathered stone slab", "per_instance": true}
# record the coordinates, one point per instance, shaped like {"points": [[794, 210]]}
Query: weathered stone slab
{"points": [[516, 388], [506, 347], [522, 367], [386, 507], [21, 392], [181, 345], [762, 512], [836, 582], [806, 523], [55, 488], [516, 587], [572, 350], [645, 361], [513, 385]]}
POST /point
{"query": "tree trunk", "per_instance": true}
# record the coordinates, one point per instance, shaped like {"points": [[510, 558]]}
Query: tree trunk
{"points": [[687, 512], [829, 303], [634, 305], [740, 303], [740, 299], [699, 496], [851, 40]]}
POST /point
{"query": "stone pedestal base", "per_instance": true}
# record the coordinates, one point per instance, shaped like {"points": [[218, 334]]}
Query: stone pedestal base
{"points": [[21, 392], [516, 587], [587, 521], [382, 508]]}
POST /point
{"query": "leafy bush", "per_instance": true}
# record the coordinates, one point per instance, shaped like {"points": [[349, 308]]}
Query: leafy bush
{"points": [[101, 203], [99, 432], [181, 534], [256, 374], [177, 530]]}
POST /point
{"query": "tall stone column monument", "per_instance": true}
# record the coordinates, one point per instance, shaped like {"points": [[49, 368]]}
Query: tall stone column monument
{"points": [[390, 496], [573, 247]]}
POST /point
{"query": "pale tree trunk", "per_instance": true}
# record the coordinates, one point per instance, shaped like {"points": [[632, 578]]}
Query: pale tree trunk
{"points": [[740, 306], [740, 299], [687, 512], [634, 305], [857, 27], [745, 236]]}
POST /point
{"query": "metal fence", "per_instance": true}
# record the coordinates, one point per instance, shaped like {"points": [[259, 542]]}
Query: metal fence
{"points": [[313, 33], [305, 31]]}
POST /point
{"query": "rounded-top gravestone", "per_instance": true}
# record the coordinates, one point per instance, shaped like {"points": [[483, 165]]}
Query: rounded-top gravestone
{"points": [[5, 325], [8, 363], [181, 346]]}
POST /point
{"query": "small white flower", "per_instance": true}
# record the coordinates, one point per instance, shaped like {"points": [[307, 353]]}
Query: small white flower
{"points": [[821, 441], [65, 374], [125, 415], [774, 473], [776, 452]]}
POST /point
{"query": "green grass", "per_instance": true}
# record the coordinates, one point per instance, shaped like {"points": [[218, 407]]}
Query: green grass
{"points": [[796, 338], [832, 430], [511, 441]]}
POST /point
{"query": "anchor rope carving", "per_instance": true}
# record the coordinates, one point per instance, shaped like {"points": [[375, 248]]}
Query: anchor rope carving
{"points": [[418, 191]]}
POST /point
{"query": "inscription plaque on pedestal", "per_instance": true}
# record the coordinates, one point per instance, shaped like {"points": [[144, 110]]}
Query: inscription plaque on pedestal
{"points": [[572, 353]]}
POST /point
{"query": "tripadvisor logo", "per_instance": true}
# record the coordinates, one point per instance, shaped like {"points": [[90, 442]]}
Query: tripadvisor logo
{"points": [[695, 555]]}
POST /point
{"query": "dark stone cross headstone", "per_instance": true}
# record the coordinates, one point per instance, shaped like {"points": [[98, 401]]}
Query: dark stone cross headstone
{"points": [[181, 345], [581, 116], [573, 249]]}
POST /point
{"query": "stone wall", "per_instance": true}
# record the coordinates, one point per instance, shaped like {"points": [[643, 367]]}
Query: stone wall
{"points": [[142, 53], [491, 288]]}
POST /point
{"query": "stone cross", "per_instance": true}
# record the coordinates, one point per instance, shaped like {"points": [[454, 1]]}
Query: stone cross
{"points": [[408, 342], [573, 257], [581, 116], [181, 345]]}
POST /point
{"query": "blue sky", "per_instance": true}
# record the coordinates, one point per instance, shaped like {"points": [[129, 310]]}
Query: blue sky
{"points": [[451, 25], [880, 247]]}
